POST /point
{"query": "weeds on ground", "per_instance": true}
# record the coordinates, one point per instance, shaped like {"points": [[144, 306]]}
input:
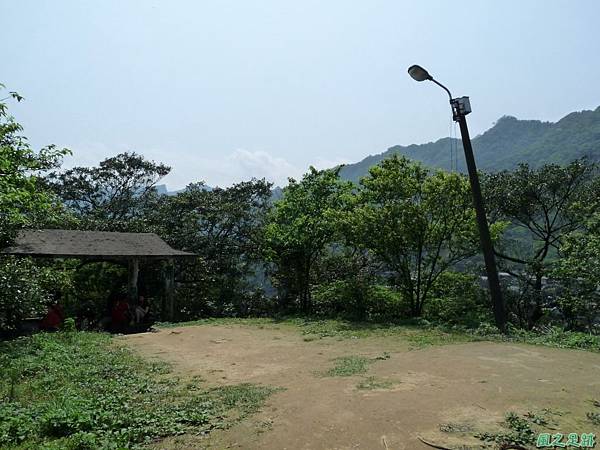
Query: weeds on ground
{"points": [[76, 390], [347, 366], [594, 416], [373, 383], [520, 433]]}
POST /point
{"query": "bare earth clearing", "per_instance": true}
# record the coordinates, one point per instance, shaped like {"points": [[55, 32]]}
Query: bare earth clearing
{"points": [[466, 388]]}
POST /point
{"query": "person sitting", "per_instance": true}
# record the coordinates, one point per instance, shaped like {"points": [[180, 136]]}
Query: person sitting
{"points": [[53, 318], [141, 310], [120, 315]]}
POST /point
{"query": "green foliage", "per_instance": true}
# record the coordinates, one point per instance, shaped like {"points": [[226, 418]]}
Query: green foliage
{"points": [[357, 299], [301, 226], [419, 224], [112, 196], [547, 204], [80, 391], [25, 288], [224, 227], [457, 299], [23, 200], [578, 269]]}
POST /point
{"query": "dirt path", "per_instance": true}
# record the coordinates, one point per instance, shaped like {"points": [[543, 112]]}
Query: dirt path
{"points": [[466, 387]]}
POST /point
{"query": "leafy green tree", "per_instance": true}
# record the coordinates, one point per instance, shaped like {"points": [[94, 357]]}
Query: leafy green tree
{"points": [[225, 228], [24, 203], [23, 200], [112, 196], [578, 269], [301, 226], [417, 222], [543, 206]]}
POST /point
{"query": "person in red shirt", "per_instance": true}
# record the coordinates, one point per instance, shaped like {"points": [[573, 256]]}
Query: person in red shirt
{"points": [[53, 318], [120, 315]]}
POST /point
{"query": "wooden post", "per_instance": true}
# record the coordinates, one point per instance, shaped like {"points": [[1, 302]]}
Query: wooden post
{"points": [[134, 269], [169, 282]]}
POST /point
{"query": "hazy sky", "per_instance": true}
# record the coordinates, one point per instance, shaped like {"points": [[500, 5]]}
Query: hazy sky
{"points": [[226, 90]]}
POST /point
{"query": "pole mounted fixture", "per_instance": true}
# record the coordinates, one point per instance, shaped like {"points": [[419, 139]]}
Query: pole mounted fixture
{"points": [[460, 108]]}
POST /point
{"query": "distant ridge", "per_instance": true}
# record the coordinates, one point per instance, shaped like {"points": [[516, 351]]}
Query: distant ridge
{"points": [[509, 142]]}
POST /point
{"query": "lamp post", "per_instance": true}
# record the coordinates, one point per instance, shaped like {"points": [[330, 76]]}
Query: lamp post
{"points": [[460, 108]]}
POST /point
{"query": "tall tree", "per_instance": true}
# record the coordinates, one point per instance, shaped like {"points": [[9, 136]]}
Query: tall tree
{"points": [[543, 205], [417, 222], [111, 196], [300, 228], [23, 200]]}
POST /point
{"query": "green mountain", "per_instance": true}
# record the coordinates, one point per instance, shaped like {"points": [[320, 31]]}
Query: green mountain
{"points": [[509, 142]]}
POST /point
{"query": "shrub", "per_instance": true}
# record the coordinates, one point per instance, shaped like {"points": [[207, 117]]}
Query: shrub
{"points": [[359, 300], [21, 295], [25, 288], [457, 299]]}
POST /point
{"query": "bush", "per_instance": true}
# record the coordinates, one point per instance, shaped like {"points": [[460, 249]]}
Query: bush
{"points": [[25, 288], [358, 300], [19, 297], [457, 299]]}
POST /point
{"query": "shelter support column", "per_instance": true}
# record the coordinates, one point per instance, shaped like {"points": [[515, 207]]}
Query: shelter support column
{"points": [[169, 285], [132, 285]]}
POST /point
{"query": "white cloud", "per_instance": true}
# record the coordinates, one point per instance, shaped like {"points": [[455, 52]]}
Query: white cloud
{"points": [[261, 164], [189, 167]]}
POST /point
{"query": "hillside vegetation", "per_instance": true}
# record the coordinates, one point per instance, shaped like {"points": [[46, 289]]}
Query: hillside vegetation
{"points": [[509, 142]]}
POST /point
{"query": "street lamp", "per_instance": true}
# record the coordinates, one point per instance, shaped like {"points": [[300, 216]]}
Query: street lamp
{"points": [[460, 108]]}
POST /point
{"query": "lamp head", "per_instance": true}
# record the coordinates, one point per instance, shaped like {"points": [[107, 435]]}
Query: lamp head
{"points": [[418, 73]]}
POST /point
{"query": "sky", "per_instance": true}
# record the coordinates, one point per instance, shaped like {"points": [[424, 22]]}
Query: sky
{"points": [[223, 91]]}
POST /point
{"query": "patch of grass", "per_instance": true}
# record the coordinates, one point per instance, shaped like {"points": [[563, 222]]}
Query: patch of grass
{"points": [[81, 391], [246, 398], [373, 383], [347, 366]]}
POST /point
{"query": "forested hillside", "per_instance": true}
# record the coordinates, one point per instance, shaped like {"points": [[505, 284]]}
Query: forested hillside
{"points": [[509, 142]]}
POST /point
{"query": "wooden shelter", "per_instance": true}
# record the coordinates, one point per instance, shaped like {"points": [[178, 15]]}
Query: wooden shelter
{"points": [[130, 248]]}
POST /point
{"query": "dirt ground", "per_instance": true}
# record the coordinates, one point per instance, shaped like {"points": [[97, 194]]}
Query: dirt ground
{"points": [[443, 394]]}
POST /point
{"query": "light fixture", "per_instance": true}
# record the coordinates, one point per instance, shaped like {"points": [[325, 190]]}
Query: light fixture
{"points": [[418, 73]]}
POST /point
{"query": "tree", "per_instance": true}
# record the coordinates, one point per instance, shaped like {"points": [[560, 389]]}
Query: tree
{"points": [[543, 206], [23, 200], [417, 222], [224, 227], [300, 228], [578, 269], [111, 196]]}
